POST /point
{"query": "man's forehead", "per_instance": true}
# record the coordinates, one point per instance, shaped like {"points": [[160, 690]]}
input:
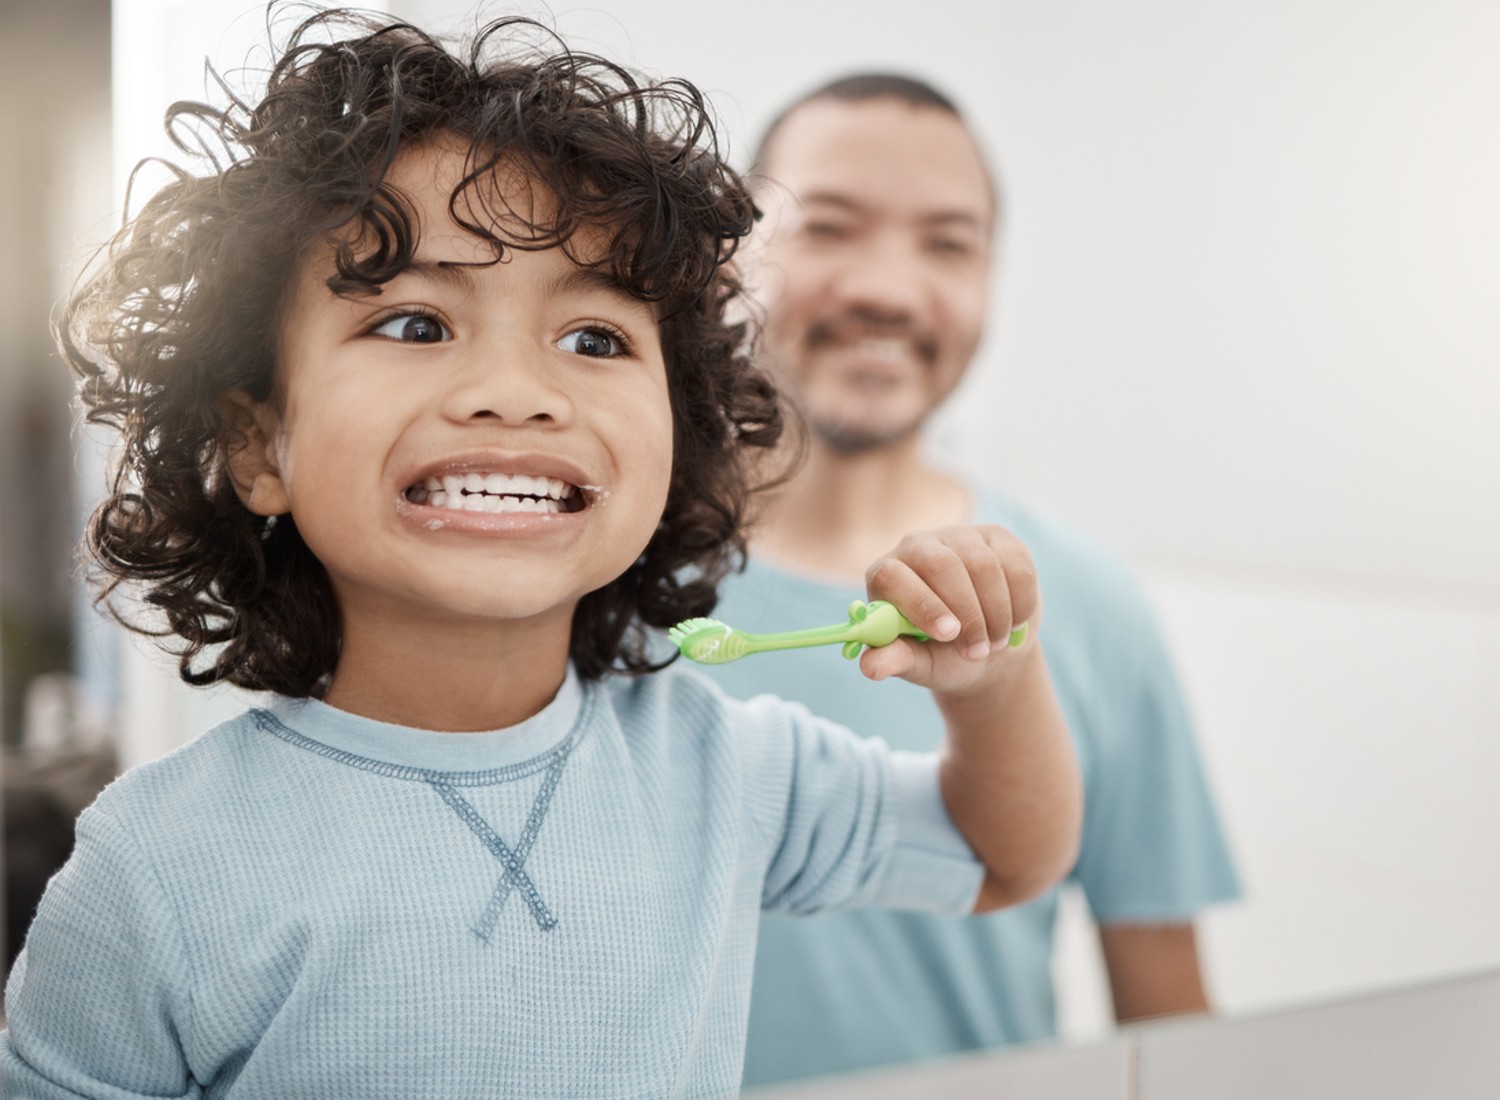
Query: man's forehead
{"points": [[920, 159]]}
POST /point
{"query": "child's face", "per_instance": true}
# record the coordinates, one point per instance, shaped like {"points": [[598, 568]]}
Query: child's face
{"points": [[475, 443]]}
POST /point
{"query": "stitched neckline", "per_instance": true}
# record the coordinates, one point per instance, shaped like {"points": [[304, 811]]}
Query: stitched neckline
{"points": [[395, 751]]}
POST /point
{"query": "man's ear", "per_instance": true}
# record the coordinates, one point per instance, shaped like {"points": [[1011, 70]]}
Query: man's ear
{"points": [[250, 453]]}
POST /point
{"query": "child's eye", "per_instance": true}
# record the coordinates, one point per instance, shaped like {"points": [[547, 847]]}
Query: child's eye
{"points": [[593, 341], [413, 328]]}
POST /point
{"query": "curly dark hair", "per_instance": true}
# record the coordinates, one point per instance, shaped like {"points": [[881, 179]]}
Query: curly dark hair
{"points": [[183, 306]]}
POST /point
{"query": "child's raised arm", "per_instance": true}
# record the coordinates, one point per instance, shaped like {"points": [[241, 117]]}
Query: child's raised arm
{"points": [[1008, 774]]}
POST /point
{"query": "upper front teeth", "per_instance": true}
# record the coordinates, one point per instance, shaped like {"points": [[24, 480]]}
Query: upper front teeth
{"points": [[885, 348], [500, 485]]}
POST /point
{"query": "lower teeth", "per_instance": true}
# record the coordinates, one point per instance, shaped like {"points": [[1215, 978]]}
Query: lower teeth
{"points": [[482, 502]]}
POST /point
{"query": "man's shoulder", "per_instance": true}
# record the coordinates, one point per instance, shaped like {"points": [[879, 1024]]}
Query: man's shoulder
{"points": [[1072, 561], [1049, 534]]}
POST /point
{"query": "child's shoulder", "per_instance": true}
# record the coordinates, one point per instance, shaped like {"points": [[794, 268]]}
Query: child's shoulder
{"points": [[682, 719], [677, 683], [191, 782], [684, 695], [681, 731]]}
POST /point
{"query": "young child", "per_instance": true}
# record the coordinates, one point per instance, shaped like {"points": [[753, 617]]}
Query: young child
{"points": [[430, 410]]}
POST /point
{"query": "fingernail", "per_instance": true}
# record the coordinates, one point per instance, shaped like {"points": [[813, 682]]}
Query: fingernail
{"points": [[978, 651], [946, 627]]}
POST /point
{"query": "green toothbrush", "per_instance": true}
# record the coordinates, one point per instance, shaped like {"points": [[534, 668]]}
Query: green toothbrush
{"points": [[877, 623]]}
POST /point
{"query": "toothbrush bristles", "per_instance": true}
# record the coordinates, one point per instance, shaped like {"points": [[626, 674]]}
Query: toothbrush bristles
{"points": [[703, 639]]}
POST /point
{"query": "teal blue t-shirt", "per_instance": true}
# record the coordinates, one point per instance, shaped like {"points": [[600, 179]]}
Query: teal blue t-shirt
{"points": [[862, 988]]}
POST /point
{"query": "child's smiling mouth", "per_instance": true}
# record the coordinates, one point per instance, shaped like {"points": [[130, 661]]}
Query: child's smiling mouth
{"points": [[476, 491]]}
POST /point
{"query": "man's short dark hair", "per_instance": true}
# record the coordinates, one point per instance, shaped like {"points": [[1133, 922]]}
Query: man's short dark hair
{"points": [[871, 87], [862, 87]]}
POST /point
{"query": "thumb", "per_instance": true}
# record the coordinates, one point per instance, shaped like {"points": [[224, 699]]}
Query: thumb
{"points": [[903, 657]]}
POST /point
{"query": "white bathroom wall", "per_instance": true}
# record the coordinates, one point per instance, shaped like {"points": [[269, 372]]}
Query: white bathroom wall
{"points": [[1246, 331], [161, 52], [1353, 728]]}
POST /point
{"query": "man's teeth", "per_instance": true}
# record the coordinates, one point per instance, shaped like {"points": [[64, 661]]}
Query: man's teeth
{"points": [[885, 348], [476, 492]]}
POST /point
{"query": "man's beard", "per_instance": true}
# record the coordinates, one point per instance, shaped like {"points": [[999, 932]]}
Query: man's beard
{"points": [[842, 436], [851, 440]]}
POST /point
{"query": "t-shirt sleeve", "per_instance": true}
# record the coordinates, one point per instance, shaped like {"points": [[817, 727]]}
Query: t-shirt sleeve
{"points": [[1153, 847], [850, 823], [97, 998]]}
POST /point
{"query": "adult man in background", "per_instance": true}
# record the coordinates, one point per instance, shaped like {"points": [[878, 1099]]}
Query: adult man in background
{"points": [[872, 268]]}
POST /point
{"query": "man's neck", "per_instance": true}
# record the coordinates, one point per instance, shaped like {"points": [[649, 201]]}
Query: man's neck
{"points": [[841, 512]]}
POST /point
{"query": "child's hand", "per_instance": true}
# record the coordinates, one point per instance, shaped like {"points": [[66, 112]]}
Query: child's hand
{"points": [[967, 587]]}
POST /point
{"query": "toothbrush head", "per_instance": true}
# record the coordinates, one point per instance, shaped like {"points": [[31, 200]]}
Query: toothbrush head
{"points": [[708, 641]]}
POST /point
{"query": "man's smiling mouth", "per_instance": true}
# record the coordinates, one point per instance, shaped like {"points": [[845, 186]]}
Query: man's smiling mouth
{"points": [[883, 343], [495, 493]]}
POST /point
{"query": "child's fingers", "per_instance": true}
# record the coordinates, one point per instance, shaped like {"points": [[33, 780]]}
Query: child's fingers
{"points": [[1022, 593], [940, 578], [986, 570], [895, 578], [967, 587]]}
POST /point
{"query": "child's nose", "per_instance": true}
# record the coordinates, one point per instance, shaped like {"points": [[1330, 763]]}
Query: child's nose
{"points": [[512, 385]]}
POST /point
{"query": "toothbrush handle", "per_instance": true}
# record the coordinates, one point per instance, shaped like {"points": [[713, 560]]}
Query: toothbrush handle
{"points": [[877, 623], [881, 624], [798, 639]]}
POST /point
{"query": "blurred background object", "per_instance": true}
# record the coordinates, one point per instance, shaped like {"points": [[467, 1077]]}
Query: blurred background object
{"points": [[55, 195]]}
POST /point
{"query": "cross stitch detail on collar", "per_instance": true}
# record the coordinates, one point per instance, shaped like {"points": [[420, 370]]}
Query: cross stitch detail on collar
{"points": [[448, 784], [513, 860]]}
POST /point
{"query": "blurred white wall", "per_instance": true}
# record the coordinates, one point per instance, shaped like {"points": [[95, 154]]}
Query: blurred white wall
{"points": [[1246, 331], [161, 51]]}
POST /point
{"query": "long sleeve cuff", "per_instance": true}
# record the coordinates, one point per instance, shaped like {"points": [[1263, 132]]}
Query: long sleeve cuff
{"points": [[932, 868]]}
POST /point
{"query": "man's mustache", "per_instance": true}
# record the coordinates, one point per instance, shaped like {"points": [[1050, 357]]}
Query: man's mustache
{"points": [[860, 325]]}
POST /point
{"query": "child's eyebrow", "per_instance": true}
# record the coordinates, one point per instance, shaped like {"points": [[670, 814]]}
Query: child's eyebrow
{"points": [[584, 279], [446, 272]]}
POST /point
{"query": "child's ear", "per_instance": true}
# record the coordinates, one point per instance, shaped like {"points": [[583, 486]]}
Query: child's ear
{"points": [[250, 453]]}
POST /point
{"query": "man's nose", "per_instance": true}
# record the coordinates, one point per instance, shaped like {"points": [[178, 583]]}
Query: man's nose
{"points": [[883, 281], [509, 382]]}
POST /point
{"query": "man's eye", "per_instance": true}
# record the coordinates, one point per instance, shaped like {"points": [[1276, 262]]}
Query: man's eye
{"points": [[413, 328], [592, 341], [950, 246], [828, 231]]}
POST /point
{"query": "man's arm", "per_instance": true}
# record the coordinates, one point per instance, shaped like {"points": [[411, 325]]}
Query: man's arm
{"points": [[1008, 774], [1153, 969]]}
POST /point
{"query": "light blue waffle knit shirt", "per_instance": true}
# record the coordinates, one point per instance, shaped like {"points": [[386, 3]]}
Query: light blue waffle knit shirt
{"points": [[303, 903]]}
